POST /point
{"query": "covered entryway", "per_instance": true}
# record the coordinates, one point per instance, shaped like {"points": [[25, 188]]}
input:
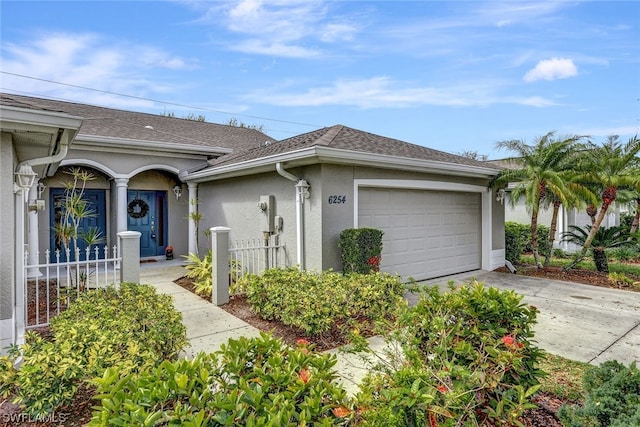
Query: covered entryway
{"points": [[92, 221], [427, 233], [147, 213]]}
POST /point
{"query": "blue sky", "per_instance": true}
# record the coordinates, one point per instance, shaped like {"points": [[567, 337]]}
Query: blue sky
{"points": [[455, 76]]}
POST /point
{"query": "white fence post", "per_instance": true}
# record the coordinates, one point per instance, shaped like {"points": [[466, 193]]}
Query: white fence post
{"points": [[130, 254], [220, 261]]}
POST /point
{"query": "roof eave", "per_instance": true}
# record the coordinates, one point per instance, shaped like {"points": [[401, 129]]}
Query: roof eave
{"points": [[11, 116], [334, 155], [89, 140], [318, 154]]}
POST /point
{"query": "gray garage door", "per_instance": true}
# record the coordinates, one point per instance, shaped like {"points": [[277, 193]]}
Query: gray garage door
{"points": [[427, 234]]}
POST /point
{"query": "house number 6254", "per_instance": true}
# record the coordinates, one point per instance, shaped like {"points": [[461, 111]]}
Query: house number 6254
{"points": [[337, 200]]}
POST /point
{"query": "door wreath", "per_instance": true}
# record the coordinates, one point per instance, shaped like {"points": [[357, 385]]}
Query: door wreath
{"points": [[138, 208]]}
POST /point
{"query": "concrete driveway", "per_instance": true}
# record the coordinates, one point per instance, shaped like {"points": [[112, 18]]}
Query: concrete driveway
{"points": [[580, 322]]}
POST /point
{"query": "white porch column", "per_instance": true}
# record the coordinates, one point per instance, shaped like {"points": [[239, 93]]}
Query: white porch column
{"points": [[193, 209], [121, 203], [19, 308], [32, 233]]}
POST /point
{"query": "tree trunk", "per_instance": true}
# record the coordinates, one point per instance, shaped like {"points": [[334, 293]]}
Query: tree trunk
{"points": [[592, 234], [600, 260], [552, 232], [636, 218], [534, 238]]}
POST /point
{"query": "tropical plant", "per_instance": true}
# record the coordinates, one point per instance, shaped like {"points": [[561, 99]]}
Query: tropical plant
{"points": [[68, 227], [603, 238], [608, 167], [196, 216], [201, 270], [542, 171], [76, 209]]}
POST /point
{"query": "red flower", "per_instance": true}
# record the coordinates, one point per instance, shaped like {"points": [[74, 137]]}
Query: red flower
{"points": [[302, 342], [341, 412], [442, 389], [508, 340], [304, 375], [374, 262]]}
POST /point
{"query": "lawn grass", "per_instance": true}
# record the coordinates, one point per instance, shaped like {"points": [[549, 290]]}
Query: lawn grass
{"points": [[588, 264], [564, 378]]}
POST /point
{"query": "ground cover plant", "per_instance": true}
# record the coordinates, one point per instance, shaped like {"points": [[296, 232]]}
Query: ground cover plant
{"points": [[130, 328]]}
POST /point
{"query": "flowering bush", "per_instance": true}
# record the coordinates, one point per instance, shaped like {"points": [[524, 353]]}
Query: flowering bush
{"points": [[316, 302], [467, 358], [257, 381]]}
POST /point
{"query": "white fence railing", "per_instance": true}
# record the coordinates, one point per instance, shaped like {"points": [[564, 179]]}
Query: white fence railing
{"points": [[50, 287], [255, 255]]}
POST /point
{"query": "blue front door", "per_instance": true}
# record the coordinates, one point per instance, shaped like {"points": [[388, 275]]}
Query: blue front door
{"points": [[146, 213], [96, 219]]}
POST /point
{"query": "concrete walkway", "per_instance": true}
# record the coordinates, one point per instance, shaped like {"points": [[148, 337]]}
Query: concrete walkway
{"points": [[208, 326], [579, 322]]}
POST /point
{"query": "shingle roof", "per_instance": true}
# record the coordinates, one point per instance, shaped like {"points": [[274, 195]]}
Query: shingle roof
{"points": [[346, 138], [247, 144], [130, 125]]}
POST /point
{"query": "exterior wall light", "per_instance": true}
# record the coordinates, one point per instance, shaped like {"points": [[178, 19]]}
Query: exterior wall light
{"points": [[25, 177], [501, 195], [41, 188], [177, 190]]}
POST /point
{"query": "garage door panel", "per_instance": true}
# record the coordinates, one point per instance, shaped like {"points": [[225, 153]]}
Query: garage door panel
{"points": [[426, 233]]}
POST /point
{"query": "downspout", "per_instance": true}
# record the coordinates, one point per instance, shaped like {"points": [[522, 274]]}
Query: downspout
{"points": [[59, 156], [302, 192]]}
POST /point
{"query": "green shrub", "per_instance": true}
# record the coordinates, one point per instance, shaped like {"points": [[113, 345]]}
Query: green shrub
{"points": [[522, 232], [361, 250], [251, 382], [513, 242], [315, 302], [613, 397], [624, 253], [467, 359], [130, 328]]}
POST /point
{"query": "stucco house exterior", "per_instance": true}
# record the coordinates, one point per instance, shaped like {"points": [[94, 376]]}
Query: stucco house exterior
{"points": [[153, 171]]}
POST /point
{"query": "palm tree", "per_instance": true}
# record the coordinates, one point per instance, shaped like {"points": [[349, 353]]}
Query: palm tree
{"points": [[541, 170], [610, 166], [603, 238], [575, 194]]}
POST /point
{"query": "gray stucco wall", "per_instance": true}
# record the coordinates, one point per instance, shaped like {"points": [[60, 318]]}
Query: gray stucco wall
{"points": [[233, 203], [7, 228]]}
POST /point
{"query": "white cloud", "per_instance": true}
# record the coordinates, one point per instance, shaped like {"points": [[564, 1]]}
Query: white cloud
{"points": [[85, 60], [552, 69], [283, 27], [383, 92]]}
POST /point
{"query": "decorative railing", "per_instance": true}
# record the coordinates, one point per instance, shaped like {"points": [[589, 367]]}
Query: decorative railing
{"points": [[255, 255], [50, 287]]}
